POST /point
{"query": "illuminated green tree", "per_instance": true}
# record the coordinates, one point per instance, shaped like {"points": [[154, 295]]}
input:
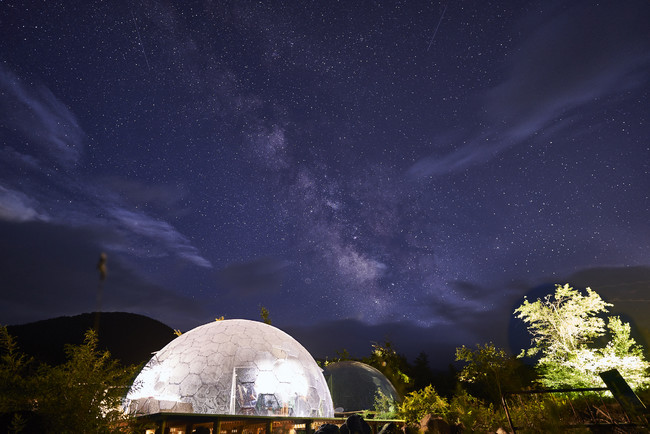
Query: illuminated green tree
{"points": [[565, 327], [393, 365], [487, 365], [420, 403]]}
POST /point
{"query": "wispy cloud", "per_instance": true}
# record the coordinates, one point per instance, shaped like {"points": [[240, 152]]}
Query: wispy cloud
{"points": [[40, 116], [475, 150], [150, 228], [54, 137], [574, 57], [16, 206]]}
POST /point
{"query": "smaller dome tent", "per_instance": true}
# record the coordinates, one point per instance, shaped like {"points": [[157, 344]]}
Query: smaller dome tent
{"points": [[232, 367], [354, 386]]}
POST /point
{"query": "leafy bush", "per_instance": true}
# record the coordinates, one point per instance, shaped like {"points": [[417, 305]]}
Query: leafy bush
{"points": [[15, 378], [544, 412], [418, 404], [86, 391], [488, 366], [82, 395], [474, 414]]}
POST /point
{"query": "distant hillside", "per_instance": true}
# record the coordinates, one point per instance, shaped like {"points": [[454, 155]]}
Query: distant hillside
{"points": [[130, 338]]}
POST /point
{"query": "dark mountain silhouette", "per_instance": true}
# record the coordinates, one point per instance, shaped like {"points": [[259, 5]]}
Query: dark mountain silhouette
{"points": [[129, 337]]}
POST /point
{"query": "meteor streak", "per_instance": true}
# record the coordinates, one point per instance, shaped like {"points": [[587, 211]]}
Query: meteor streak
{"points": [[435, 32]]}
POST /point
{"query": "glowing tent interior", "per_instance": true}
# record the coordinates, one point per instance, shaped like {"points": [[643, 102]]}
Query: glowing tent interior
{"points": [[232, 367]]}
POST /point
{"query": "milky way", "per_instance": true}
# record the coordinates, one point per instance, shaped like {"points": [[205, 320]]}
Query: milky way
{"points": [[329, 161]]}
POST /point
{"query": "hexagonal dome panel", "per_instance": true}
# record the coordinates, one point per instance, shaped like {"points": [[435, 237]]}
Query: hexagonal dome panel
{"points": [[354, 385], [232, 367]]}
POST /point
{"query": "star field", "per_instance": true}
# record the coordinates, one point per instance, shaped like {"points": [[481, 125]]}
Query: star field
{"points": [[402, 168]]}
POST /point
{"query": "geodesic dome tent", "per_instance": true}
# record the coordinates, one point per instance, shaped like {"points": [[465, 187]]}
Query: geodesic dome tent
{"points": [[354, 386], [234, 367]]}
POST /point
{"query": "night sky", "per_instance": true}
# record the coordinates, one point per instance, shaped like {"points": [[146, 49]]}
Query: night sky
{"points": [[365, 170]]}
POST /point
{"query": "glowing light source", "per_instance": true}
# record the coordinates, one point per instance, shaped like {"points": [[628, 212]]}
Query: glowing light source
{"points": [[232, 367]]}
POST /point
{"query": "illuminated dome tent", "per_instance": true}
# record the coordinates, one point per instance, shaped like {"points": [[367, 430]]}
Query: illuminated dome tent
{"points": [[354, 385], [235, 367]]}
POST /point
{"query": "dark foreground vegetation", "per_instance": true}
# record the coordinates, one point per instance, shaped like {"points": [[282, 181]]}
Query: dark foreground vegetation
{"points": [[69, 374], [571, 343], [83, 394]]}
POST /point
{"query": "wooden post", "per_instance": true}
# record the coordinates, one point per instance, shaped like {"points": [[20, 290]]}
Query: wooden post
{"points": [[269, 426], [505, 407], [216, 427]]}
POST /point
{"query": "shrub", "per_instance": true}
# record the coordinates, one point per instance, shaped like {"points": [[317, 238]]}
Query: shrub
{"points": [[82, 395], [474, 414], [418, 404]]}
